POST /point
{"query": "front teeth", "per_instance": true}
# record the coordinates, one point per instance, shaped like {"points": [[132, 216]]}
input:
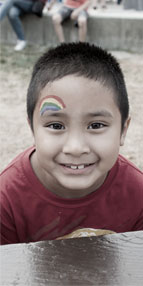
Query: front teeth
{"points": [[77, 167], [73, 167], [81, 167]]}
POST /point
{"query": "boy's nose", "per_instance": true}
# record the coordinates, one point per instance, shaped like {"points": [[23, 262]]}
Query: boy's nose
{"points": [[76, 145]]}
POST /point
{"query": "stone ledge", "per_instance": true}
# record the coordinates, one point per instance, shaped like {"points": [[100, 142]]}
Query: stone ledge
{"points": [[112, 31]]}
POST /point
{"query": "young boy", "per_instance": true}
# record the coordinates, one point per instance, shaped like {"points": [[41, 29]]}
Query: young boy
{"points": [[73, 177], [75, 10]]}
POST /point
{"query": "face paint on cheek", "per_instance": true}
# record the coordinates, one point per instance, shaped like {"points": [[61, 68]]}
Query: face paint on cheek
{"points": [[51, 102]]}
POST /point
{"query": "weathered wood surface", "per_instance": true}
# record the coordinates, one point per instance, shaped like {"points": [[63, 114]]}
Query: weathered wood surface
{"points": [[115, 259]]}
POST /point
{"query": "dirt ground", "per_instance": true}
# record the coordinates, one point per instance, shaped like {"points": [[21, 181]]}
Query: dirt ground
{"points": [[15, 74]]}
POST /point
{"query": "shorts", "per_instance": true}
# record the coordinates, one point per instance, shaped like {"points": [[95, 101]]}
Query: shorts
{"points": [[65, 13]]}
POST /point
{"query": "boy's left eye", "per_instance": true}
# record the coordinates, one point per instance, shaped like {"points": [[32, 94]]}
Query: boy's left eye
{"points": [[97, 125]]}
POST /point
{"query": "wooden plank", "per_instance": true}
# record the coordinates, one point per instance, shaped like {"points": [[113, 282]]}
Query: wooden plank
{"points": [[114, 259]]}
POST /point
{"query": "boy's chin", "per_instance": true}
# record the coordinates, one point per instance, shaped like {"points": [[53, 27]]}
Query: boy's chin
{"points": [[80, 187], [76, 190]]}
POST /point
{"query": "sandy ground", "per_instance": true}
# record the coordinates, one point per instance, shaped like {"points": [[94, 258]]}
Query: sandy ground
{"points": [[15, 74]]}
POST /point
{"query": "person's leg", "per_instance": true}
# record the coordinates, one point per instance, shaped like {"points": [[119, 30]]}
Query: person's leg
{"points": [[19, 8], [14, 9], [25, 5], [58, 18], [17, 26], [5, 7], [94, 4], [82, 25], [14, 18], [103, 3]]}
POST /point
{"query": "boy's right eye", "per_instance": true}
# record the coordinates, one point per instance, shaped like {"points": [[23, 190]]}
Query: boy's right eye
{"points": [[56, 126]]}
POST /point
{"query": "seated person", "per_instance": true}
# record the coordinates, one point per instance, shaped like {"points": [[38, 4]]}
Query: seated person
{"points": [[14, 9], [102, 3], [75, 10]]}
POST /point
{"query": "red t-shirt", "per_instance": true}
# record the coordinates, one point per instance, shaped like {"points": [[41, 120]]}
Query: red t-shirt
{"points": [[30, 212], [74, 3]]}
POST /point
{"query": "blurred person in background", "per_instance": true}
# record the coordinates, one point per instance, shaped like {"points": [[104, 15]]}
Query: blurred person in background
{"points": [[119, 2], [14, 9], [50, 3], [75, 10], [102, 4]]}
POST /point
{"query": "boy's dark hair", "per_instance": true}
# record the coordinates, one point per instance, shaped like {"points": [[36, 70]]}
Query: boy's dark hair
{"points": [[80, 59]]}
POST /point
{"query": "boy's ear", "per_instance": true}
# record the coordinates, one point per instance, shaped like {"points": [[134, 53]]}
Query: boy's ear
{"points": [[124, 132]]}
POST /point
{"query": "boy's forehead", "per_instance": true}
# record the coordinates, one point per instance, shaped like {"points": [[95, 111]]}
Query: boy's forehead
{"points": [[73, 80], [73, 88], [79, 106]]}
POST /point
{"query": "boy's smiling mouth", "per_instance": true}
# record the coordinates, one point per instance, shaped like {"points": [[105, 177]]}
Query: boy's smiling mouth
{"points": [[74, 167], [77, 168]]}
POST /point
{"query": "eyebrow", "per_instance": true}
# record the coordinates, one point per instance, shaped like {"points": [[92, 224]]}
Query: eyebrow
{"points": [[103, 113], [53, 114]]}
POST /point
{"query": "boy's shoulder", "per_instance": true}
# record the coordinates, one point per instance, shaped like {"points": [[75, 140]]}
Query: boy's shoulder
{"points": [[129, 170], [126, 162], [18, 162]]}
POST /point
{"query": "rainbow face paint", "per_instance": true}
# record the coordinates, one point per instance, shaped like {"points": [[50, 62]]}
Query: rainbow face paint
{"points": [[51, 102]]}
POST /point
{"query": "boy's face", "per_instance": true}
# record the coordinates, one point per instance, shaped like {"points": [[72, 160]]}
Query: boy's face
{"points": [[77, 132]]}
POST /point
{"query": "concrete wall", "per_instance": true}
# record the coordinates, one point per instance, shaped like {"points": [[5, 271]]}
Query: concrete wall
{"points": [[111, 32], [133, 4]]}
